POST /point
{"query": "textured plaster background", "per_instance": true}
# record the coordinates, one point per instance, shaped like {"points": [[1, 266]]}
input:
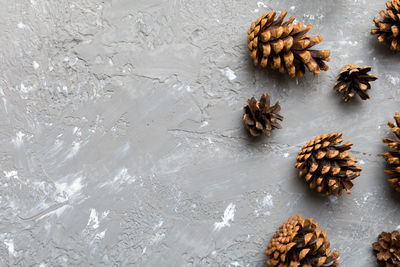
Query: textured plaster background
{"points": [[122, 143]]}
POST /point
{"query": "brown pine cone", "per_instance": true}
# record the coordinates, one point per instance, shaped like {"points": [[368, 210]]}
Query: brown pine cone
{"points": [[285, 46], [388, 28], [393, 157], [387, 249], [326, 166], [300, 242], [259, 117], [354, 79]]}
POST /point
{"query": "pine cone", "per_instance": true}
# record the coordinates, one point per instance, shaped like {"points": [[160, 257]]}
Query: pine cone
{"points": [[326, 166], [300, 242], [259, 117], [285, 46], [389, 26], [354, 79], [393, 157], [387, 249]]}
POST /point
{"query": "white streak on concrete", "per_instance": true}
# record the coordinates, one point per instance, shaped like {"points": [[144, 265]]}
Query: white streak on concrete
{"points": [[74, 150], [230, 74], [267, 201], [393, 80], [10, 246], [100, 235], [67, 191], [11, 174], [93, 219], [18, 139], [123, 176], [228, 217]]}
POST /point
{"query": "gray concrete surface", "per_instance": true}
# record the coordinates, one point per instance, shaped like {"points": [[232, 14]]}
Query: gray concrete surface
{"points": [[122, 142]]}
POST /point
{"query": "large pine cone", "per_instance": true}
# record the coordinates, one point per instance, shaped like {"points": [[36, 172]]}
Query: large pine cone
{"points": [[326, 166], [300, 242], [393, 157], [354, 79], [285, 46], [389, 26], [259, 117], [387, 249]]}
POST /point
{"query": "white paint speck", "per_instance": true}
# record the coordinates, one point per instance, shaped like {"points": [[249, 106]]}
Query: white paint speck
{"points": [[11, 174], [362, 162], [93, 219], [292, 8], [18, 139], [100, 235], [398, 227], [159, 232], [10, 246], [261, 4], [228, 217], [35, 65], [67, 191], [20, 25], [123, 176], [393, 80], [230, 74], [204, 124], [74, 150], [285, 155], [267, 201]]}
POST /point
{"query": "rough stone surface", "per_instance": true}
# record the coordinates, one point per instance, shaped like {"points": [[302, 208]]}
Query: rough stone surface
{"points": [[122, 142]]}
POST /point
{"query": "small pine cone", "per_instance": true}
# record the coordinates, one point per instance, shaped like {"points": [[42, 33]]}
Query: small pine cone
{"points": [[354, 79], [387, 249], [388, 28], [300, 242], [284, 46], [326, 166], [259, 117], [393, 157]]}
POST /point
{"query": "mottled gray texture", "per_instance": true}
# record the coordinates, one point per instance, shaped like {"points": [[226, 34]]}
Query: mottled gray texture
{"points": [[122, 142]]}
